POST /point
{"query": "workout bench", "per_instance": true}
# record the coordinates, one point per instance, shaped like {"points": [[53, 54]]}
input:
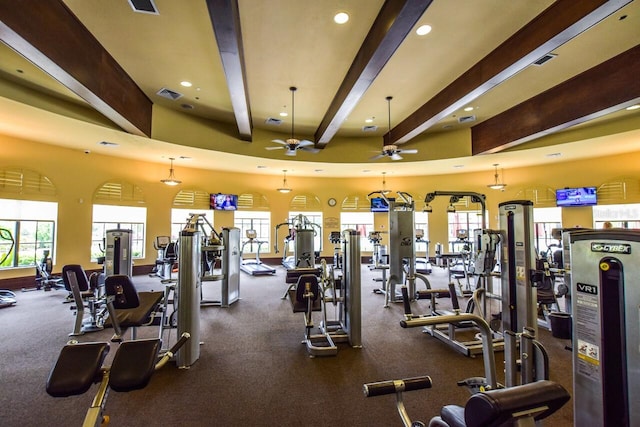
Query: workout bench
{"points": [[129, 308]]}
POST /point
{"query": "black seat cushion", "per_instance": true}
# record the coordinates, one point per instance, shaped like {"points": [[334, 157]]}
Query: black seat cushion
{"points": [[453, 415], [77, 367], [495, 407], [122, 289], [138, 316], [133, 364]]}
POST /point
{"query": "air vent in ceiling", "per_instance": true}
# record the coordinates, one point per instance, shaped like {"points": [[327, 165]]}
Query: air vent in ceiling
{"points": [[273, 122], [144, 6], [169, 94], [466, 119], [545, 59], [371, 128]]}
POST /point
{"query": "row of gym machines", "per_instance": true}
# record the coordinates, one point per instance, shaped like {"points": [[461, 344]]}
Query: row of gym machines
{"points": [[601, 270]]}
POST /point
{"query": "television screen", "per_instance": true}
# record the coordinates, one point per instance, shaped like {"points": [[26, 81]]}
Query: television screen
{"points": [[223, 202], [378, 204], [582, 196]]}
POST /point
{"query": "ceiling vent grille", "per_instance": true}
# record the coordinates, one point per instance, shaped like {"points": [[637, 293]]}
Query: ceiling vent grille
{"points": [[466, 119], [273, 122], [548, 57], [169, 94], [144, 6], [371, 128]]}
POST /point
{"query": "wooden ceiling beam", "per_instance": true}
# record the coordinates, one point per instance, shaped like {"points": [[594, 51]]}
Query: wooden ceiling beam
{"points": [[392, 25], [601, 90], [559, 23], [225, 19], [49, 35]]}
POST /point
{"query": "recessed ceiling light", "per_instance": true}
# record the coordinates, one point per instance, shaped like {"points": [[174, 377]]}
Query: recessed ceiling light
{"points": [[186, 84], [368, 121], [341, 18], [284, 114], [468, 109], [423, 30], [633, 107]]}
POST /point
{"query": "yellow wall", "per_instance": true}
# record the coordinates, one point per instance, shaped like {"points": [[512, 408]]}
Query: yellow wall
{"points": [[77, 175]]}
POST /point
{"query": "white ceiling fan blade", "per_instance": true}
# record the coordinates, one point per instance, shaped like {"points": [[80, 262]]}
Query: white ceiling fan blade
{"points": [[379, 156], [274, 148], [305, 143], [410, 151], [279, 141], [396, 156], [310, 150]]}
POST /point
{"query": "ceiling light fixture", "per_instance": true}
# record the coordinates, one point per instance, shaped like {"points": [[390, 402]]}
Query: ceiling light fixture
{"points": [[172, 179], [633, 107], [284, 188], [186, 83], [341, 18], [423, 30], [497, 185]]}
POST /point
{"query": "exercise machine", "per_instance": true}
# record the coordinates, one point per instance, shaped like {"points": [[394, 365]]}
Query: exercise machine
{"points": [[313, 293], [7, 297], [335, 239], [167, 257], [45, 278], [118, 255], [519, 406], [606, 319], [301, 231], [87, 293], [79, 365], [254, 267], [423, 265]]}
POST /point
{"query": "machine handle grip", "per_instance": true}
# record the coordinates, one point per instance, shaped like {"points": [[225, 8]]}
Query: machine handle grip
{"points": [[169, 354], [395, 386], [405, 300]]}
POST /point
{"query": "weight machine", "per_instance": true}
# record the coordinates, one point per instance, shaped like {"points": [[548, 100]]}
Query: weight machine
{"points": [[302, 233], [118, 255], [606, 319]]}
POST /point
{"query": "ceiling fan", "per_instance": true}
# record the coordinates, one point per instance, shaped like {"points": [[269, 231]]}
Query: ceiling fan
{"points": [[292, 145], [391, 150]]}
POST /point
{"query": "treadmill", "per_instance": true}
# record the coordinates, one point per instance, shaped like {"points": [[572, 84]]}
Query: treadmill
{"points": [[255, 267]]}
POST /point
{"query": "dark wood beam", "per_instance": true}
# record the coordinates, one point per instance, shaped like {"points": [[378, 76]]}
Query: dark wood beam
{"points": [[392, 25], [603, 89], [48, 34], [225, 19], [559, 23]]}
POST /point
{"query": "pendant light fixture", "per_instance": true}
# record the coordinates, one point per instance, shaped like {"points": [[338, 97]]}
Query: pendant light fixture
{"points": [[284, 188], [384, 185], [172, 179], [497, 185]]}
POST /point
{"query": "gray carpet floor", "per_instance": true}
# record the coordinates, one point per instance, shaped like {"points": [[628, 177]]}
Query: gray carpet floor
{"points": [[253, 369]]}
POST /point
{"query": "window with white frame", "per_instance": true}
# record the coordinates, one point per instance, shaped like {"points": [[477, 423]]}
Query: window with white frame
{"points": [[461, 226], [29, 229], [620, 216], [421, 222], [108, 217], [361, 222], [544, 221], [258, 221]]}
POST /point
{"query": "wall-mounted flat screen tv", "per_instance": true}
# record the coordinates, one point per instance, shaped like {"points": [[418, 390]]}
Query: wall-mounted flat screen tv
{"points": [[223, 202], [378, 204], [580, 196]]}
